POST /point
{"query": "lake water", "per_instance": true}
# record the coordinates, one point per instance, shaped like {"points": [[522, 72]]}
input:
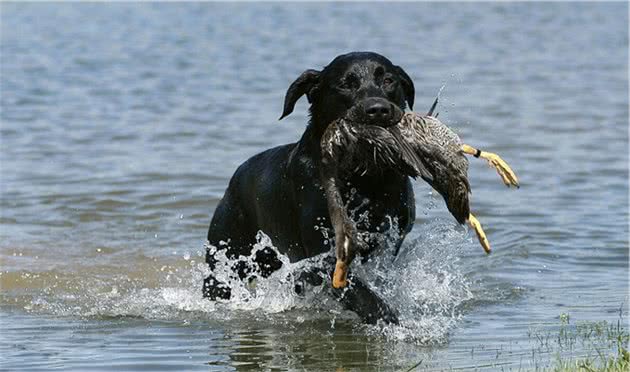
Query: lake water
{"points": [[122, 124]]}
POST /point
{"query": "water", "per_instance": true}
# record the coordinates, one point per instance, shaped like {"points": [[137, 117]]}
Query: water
{"points": [[122, 123]]}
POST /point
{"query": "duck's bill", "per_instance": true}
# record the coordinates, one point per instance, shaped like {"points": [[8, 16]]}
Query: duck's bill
{"points": [[340, 276]]}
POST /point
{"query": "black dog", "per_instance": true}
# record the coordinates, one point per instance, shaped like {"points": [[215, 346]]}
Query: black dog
{"points": [[279, 191]]}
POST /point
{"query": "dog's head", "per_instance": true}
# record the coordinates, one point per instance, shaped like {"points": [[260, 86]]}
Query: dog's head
{"points": [[364, 85]]}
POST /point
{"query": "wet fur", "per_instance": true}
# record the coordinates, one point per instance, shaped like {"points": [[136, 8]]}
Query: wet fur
{"points": [[279, 191]]}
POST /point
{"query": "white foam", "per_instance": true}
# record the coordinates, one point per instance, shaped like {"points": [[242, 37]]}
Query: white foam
{"points": [[423, 284]]}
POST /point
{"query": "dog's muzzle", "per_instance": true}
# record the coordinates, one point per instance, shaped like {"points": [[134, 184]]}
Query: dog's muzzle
{"points": [[376, 111]]}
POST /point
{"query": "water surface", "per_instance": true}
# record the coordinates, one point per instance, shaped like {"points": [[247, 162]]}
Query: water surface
{"points": [[122, 124]]}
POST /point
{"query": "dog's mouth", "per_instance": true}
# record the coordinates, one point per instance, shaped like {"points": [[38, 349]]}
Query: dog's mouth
{"points": [[361, 147], [375, 111]]}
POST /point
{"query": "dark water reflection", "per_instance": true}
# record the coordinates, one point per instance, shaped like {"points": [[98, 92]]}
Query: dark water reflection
{"points": [[122, 123]]}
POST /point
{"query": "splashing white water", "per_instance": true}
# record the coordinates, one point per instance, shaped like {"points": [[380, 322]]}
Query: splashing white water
{"points": [[423, 283]]}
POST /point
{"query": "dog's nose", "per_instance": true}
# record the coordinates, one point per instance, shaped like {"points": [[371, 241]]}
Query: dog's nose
{"points": [[378, 110]]}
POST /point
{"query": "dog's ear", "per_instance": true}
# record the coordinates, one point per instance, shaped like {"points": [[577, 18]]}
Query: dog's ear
{"points": [[408, 88], [302, 85]]}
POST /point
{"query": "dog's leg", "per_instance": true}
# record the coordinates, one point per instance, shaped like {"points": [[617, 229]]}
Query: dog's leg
{"points": [[267, 262], [314, 275], [213, 288], [228, 233], [357, 297]]}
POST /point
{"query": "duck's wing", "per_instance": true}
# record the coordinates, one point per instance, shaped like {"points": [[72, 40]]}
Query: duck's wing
{"points": [[358, 149], [440, 163]]}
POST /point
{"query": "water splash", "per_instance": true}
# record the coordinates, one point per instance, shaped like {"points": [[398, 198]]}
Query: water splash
{"points": [[423, 283]]}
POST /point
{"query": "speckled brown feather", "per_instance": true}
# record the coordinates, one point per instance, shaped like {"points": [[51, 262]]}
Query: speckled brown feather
{"points": [[416, 146]]}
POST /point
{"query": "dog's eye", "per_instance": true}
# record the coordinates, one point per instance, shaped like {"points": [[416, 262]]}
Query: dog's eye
{"points": [[349, 82], [347, 85], [387, 81]]}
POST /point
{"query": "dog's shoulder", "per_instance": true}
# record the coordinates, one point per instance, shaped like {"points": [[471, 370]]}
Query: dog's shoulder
{"points": [[270, 160]]}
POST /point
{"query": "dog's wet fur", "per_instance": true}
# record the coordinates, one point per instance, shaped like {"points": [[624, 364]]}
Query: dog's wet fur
{"points": [[279, 191]]}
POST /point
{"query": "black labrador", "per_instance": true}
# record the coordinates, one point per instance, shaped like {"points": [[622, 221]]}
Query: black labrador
{"points": [[279, 191]]}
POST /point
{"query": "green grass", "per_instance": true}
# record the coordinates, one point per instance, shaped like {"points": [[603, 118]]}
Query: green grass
{"points": [[570, 346], [600, 346]]}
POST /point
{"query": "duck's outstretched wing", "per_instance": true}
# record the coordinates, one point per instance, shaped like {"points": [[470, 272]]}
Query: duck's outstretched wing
{"points": [[430, 149]]}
